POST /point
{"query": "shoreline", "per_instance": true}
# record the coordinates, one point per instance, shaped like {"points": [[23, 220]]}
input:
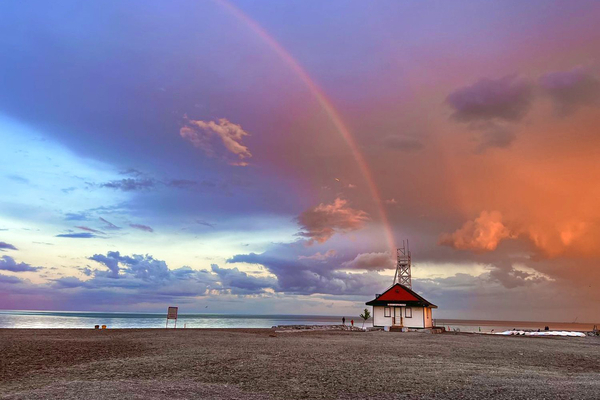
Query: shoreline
{"points": [[258, 363]]}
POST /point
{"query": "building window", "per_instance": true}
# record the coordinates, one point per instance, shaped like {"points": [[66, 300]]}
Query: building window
{"points": [[408, 312], [387, 312]]}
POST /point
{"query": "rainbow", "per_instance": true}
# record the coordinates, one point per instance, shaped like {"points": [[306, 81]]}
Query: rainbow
{"points": [[329, 109]]}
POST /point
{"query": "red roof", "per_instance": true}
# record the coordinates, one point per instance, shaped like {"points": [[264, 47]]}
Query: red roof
{"points": [[397, 293], [400, 294]]}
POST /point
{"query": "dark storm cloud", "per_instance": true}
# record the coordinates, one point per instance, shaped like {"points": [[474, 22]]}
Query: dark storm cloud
{"points": [[83, 235], [111, 261], [311, 276], [508, 98], [510, 277], [7, 246], [144, 272], [9, 264], [141, 227], [240, 282], [571, 89]]}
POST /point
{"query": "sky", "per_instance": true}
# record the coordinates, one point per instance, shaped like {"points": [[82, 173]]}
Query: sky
{"points": [[267, 157]]}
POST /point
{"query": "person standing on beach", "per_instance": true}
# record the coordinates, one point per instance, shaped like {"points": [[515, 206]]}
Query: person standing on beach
{"points": [[352, 322], [344, 321]]}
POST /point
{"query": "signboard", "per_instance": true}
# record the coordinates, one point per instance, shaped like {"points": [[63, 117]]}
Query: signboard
{"points": [[396, 305], [171, 314]]}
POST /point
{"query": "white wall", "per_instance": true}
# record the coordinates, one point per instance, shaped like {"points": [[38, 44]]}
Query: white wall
{"points": [[379, 319], [416, 321]]}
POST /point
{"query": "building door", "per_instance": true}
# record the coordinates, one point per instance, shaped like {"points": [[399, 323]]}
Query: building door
{"points": [[397, 316]]}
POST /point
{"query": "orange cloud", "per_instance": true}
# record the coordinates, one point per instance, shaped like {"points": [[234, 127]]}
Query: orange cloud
{"points": [[482, 234]]}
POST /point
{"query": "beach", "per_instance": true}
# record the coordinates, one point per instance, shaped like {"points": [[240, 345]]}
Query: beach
{"points": [[264, 364]]}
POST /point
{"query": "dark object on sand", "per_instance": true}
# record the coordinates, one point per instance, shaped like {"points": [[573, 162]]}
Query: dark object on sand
{"points": [[546, 328], [97, 327]]}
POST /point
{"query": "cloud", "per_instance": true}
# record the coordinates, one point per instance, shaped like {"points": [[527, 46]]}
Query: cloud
{"points": [[111, 261], [141, 227], [508, 98], [322, 222], [109, 225], [131, 172], [495, 136], [312, 275], [402, 143], [139, 271], [181, 183], [318, 256], [76, 216], [201, 222], [18, 178], [9, 279], [202, 135], [511, 277], [83, 235], [571, 89], [85, 228], [9, 264], [371, 261], [7, 246], [130, 184], [294, 277], [482, 234], [239, 282]]}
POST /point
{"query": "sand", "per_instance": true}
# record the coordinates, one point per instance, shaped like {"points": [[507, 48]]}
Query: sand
{"points": [[252, 364]]}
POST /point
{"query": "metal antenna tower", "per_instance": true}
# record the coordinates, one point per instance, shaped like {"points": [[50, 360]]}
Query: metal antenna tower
{"points": [[403, 275]]}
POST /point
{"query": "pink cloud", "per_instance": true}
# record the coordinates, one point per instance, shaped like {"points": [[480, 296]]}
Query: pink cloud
{"points": [[371, 261], [206, 135], [318, 256], [319, 224], [141, 227]]}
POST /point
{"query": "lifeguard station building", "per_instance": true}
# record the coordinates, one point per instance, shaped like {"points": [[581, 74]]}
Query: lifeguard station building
{"points": [[401, 307]]}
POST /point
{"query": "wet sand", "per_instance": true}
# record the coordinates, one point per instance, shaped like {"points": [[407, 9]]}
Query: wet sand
{"points": [[252, 364]]}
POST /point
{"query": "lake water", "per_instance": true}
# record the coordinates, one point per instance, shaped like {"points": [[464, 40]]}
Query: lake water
{"points": [[76, 319]]}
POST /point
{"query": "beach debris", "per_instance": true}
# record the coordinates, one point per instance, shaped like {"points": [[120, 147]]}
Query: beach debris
{"points": [[544, 333], [304, 328]]}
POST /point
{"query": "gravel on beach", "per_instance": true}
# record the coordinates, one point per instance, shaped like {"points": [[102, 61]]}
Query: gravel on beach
{"points": [[262, 364]]}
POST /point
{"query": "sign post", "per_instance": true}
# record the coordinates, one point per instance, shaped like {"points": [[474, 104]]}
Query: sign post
{"points": [[171, 314]]}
